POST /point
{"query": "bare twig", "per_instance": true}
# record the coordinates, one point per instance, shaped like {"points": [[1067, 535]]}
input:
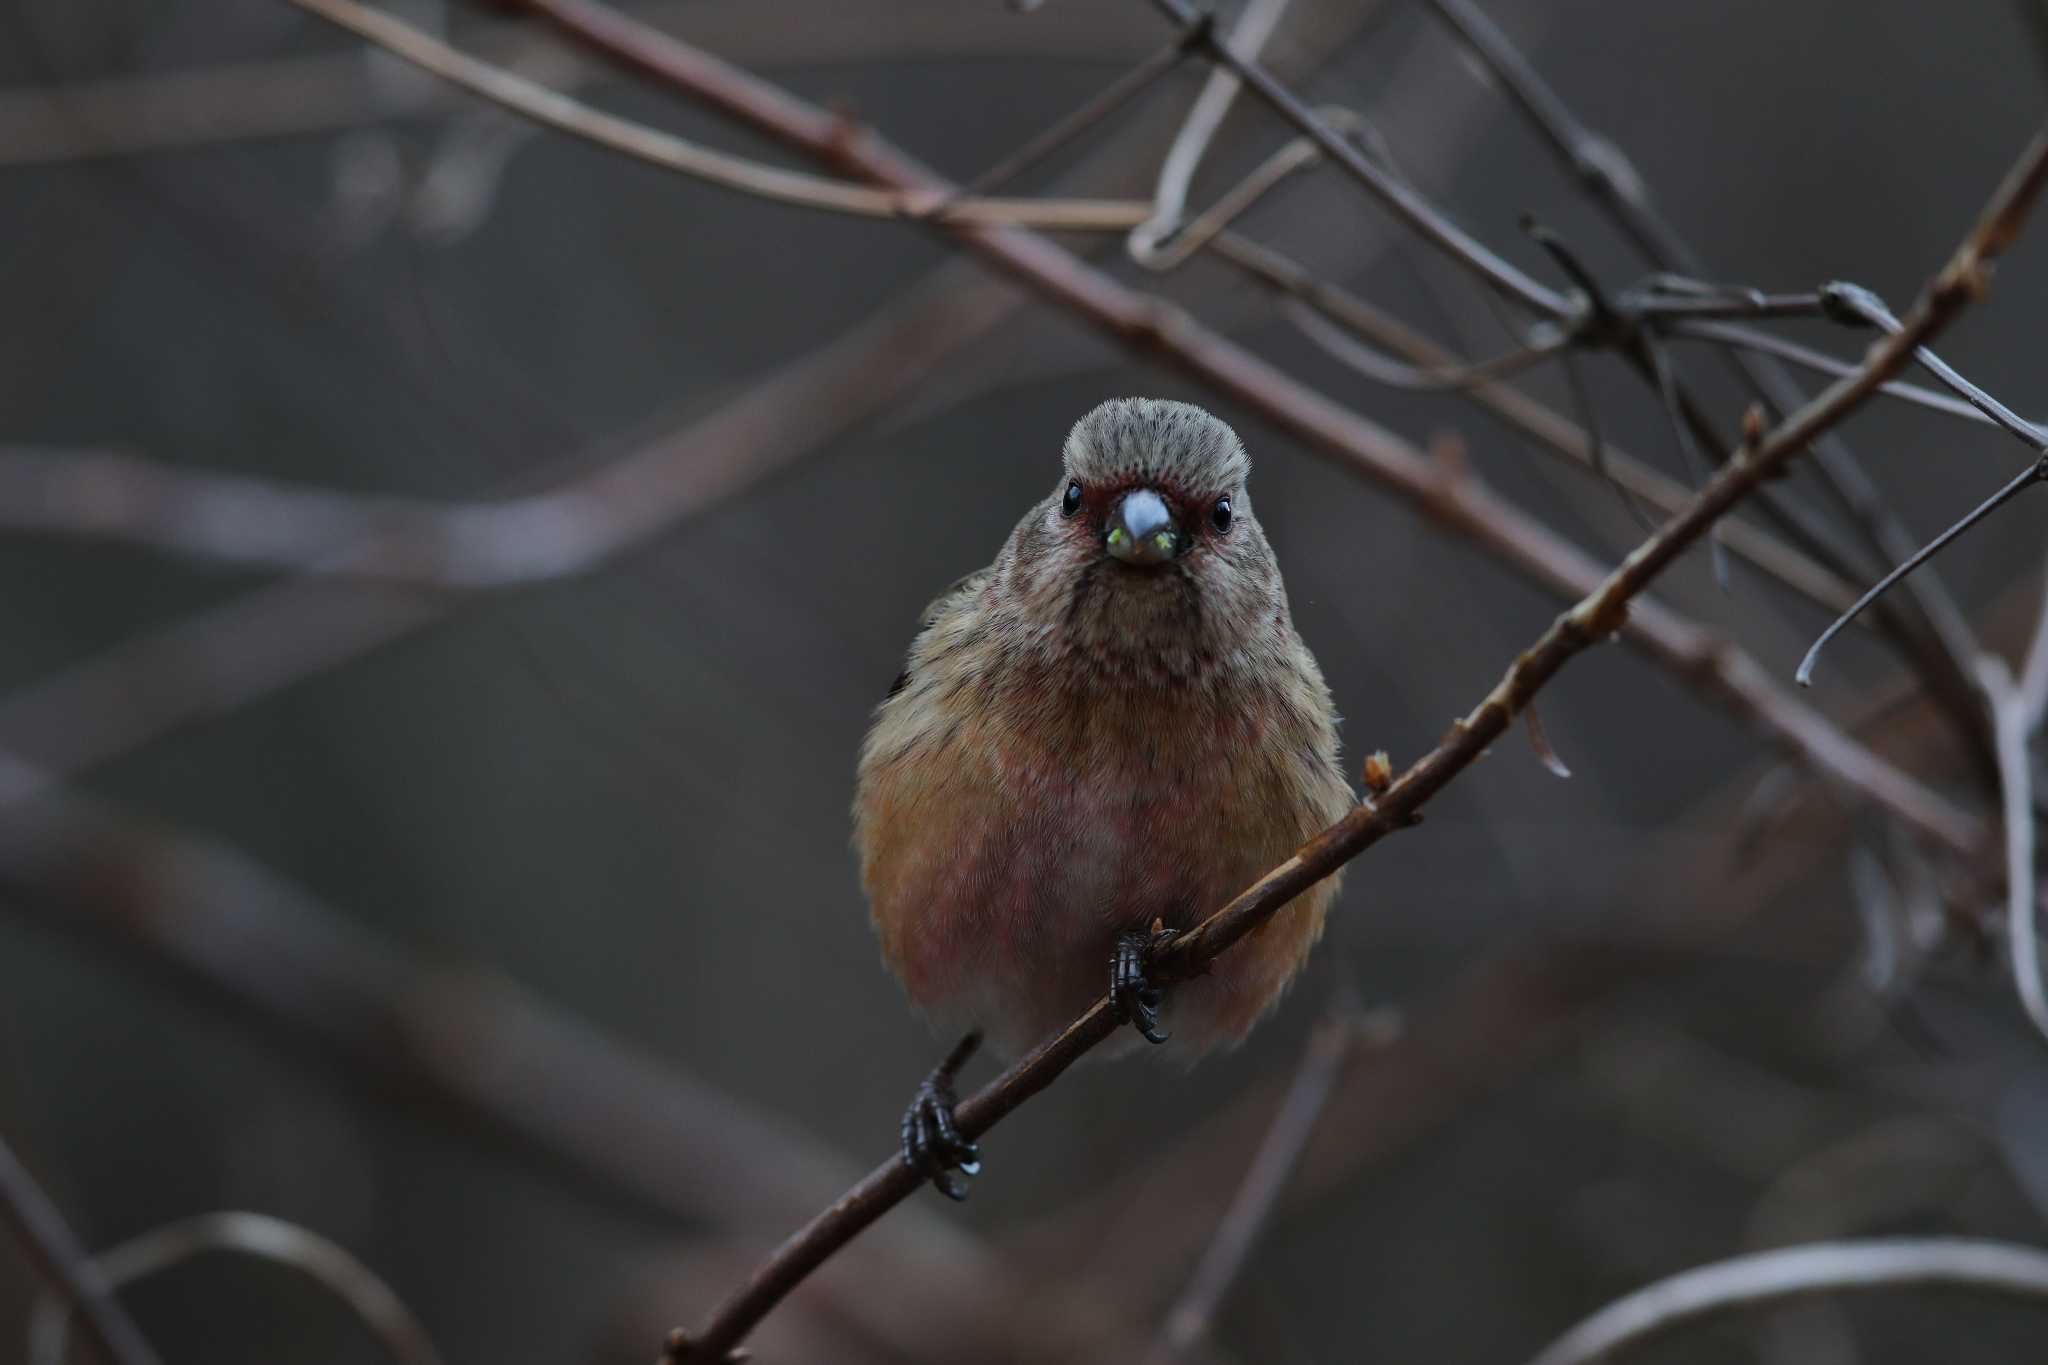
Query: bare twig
{"points": [[1398, 196], [290, 96], [2026, 478], [56, 1251], [1767, 1277], [1820, 362], [568, 115], [1396, 375], [2034, 672], [1605, 172], [2010, 720], [1862, 303], [1191, 143], [373, 1301], [1335, 1037], [1105, 103], [1542, 424]]}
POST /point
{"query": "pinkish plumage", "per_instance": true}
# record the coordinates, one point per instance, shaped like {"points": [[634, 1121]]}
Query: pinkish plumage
{"points": [[1089, 737]]}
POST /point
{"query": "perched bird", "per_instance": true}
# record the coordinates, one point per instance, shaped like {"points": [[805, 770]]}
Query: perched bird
{"points": [[1112, 727]]}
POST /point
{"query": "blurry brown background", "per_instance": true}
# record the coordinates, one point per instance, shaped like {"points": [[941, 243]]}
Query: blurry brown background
{"points": [[627, 791]]}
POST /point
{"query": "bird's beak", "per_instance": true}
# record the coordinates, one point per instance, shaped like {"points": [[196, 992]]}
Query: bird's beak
{"points": [[1142, 529]]}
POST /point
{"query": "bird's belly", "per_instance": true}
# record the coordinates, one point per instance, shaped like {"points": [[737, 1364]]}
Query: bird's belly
{"points": [[1003, 906]]}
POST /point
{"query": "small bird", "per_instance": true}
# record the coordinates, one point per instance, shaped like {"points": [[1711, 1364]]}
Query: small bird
{"points": [[1097, 741]]}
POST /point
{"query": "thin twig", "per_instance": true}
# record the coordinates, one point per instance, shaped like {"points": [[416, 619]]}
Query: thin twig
{"points": [[1401, 198], [1768, 1277], [375, 1304], [2026, 478], [1820, 362], [2034, 672], [57, 1252], [1868, 306], [1543, 425], [1395, 374], [1606, 173], [1102, 105], [1205, 116], [2016, 773], [568, 115], [1335, 1037]]}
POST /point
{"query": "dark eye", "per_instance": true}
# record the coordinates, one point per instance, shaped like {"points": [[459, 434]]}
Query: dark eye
{"points": [[1072, 502], [1220, 514]]}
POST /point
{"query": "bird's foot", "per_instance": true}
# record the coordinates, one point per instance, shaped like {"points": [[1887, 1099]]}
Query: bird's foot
{"points": [[1133, 998], [932, 1144]]}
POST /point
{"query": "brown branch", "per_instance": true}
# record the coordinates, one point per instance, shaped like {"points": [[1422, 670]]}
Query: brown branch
{"points": [[1599, 615], [57, 1252]]}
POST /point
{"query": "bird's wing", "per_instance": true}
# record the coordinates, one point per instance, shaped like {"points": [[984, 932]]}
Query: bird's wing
{"points": [[964, 586]]}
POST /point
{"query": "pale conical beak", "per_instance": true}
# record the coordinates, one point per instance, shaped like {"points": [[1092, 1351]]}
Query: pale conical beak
{"points": [[1142, 530]]}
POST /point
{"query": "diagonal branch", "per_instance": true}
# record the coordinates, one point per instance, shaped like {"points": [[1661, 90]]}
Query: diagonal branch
{"points": [[56, 1251]]}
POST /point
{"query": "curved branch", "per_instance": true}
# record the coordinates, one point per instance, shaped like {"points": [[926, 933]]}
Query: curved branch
{"points": [[373, 1302], [1769, 1277]]}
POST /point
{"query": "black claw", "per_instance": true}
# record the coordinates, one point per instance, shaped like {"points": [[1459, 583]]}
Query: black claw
{"points": [[932, 1144], [1132, 996]]}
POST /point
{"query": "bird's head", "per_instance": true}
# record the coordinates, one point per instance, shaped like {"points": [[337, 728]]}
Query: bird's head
{"points": [[1147, 550]]}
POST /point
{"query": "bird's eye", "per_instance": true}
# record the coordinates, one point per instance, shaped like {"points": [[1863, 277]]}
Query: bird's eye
{"points": [[1072, 502], [1220, 514]]}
